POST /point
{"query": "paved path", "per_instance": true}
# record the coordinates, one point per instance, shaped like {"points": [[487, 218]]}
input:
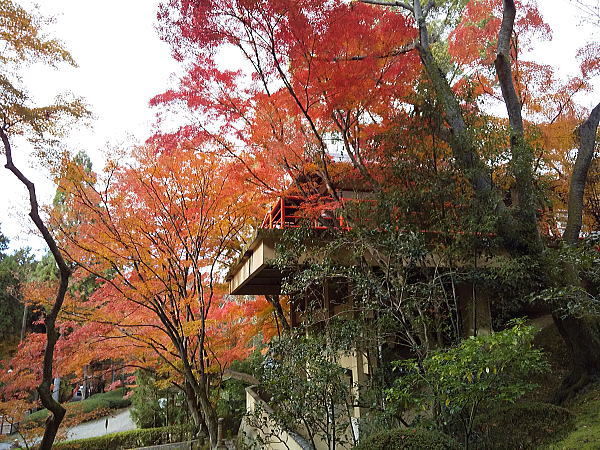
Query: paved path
{"points": [[119, 420]]}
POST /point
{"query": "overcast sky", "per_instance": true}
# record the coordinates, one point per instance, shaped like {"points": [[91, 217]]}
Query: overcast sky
{"points": [[122, 64]]}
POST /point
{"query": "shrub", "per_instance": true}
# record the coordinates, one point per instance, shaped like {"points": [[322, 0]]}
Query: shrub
{"points": [[231, 403], [304, 384], [408, 438], [154, 406], [459, 383], [129, 439], [523, 425]]}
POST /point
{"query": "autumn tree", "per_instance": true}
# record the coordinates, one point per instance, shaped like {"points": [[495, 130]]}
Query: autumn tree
{"points": [[24, 42], [156, 232], [360, 79]]}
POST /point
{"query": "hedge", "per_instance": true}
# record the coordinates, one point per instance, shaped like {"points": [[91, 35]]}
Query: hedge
{"points": [[129, 439], [523, 425], [408, 438]]}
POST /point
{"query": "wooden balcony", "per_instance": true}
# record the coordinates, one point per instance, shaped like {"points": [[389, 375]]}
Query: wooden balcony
{"points": [[252, 274]]}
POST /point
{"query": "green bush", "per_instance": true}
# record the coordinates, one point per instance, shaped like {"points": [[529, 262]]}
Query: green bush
{"points": [[458, 384], [152, 406], [231, 403], [523, 425], [129, 439], [408, 438], [111, 400]]}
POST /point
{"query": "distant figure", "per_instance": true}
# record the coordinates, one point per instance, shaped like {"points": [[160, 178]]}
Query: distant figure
{"points": [[106, 424]]}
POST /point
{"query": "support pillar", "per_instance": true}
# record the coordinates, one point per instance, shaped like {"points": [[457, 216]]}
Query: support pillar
{"points": [[56, 390], [474, 305]]}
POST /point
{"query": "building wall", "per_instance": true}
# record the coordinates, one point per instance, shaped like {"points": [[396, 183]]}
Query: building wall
{"points": [[254, 430]]}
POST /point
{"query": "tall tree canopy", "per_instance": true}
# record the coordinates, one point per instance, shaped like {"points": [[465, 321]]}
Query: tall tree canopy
{"points": [[444, 87], [156, 234]]}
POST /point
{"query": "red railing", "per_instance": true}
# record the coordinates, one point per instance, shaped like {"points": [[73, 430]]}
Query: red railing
{"points": [[286, 214]]}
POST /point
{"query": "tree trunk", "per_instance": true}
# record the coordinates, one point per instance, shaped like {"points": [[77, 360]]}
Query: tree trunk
{"points": [[587, 144], [461, 142], [57, 411], [210, 416], [522, 235], [582, 336], [193, 407], [274, 301]]}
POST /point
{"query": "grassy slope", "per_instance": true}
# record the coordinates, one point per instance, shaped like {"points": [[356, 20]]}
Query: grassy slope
{"points": [[107, 400], [586, 408]]}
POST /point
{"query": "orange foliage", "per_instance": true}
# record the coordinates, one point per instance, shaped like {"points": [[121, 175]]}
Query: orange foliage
{"points": [[156, 236]]}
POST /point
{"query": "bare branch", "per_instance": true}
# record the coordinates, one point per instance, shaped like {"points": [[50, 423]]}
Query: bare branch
{"points": [[389, 3]]}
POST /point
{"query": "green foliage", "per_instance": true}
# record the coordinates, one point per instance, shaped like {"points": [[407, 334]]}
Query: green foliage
{"points": [[129, 439], [512, 280], [408, 438], [14, 269], [573, 280], [457, 383], [11, 308], [531, 425], [155, 407], [45, 269], [303, 382], [393, 290], [231, 405]]}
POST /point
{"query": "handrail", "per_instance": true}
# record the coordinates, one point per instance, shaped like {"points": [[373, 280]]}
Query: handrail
{"points": [[283, 215]]}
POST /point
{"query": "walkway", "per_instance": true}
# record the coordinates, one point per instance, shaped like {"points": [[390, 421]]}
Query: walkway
{"points": [[119, 420]]}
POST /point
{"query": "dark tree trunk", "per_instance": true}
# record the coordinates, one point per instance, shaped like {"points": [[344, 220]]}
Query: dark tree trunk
{"points": [[582, 336], [57, 411], [274, 301], [193, 407], [522, 234], [587, 144], [460, 139], [209, 414]]}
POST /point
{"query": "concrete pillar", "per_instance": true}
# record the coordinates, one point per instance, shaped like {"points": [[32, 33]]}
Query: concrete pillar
{"points": [[56, 390], [220, 442], [474, 304]]}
